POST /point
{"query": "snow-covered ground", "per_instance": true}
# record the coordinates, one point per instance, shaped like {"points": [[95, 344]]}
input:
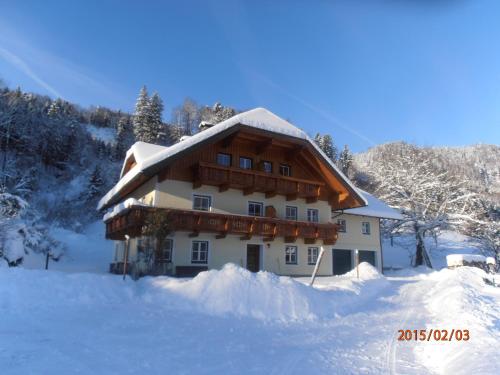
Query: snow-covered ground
{"points": [[106, 135], [88, 251], [232, 322], [399, 254], [76, 318]]}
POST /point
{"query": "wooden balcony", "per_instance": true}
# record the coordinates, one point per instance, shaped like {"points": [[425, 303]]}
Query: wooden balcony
{"points": [[251, 181], [247, 227]]}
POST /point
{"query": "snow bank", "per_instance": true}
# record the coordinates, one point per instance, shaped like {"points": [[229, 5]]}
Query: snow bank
{"points": [[236, 291], [366, 272], [460, 299], [232, 291], [459, 259]]}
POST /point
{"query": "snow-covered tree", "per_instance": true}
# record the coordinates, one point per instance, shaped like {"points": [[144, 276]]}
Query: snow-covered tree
{"points": [[345, 160], [429, 200], [326, 144], [94, 187], [124, 138], [148, 126], [142, 116], [155, 124], [186, 117]]}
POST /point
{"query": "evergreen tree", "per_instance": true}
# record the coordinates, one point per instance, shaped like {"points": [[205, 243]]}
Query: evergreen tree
{"points": [[124, 138], [141, 115], [155, 131], [345, 160], [325, 143], [95, 184]]}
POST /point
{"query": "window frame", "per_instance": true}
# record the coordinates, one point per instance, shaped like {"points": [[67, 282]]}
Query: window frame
{"points": [[296, 213], [246, 158], [368, 231], [288, 167], [168, 259], [270, 163], [311, 258], [202, 196], [342, 227], [199, 242], [225, 154], [289, 256], [261, 204], [309, 210]]}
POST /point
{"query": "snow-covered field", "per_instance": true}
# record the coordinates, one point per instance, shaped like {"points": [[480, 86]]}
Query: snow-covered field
{"points": [[233, 321], [77, 319]]}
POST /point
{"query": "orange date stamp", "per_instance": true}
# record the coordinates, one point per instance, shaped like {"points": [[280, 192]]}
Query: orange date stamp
{"points": [[433, 335]]}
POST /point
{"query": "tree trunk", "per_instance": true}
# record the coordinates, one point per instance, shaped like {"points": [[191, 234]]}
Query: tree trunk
{"points": [[419, 254]]}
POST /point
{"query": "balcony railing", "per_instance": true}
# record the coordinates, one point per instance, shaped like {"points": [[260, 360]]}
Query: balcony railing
{"points": [[132, 220], [251, 181]]}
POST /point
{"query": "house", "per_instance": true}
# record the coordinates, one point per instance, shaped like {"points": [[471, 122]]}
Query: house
{"points": [[253, 190], [359, 229]]}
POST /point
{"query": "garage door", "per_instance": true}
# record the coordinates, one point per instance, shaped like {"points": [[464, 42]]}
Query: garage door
{"points": [[342, 261], [367, 256]]}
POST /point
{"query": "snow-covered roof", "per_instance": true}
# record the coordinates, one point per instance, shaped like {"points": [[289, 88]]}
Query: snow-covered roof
{"points": [[375, 208], [259, 118], [141, 151]]}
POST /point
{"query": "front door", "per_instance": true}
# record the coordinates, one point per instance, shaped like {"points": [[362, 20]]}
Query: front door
{"points": [[253, 258], [342, 261]]}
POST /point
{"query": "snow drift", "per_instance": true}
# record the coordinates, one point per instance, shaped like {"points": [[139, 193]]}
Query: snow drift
{"points": [[230, 291]]}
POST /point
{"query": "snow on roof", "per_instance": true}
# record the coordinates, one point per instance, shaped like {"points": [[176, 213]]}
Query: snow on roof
{"points": [[259, 118], [120, 207], [375, 208], [141, 151]]}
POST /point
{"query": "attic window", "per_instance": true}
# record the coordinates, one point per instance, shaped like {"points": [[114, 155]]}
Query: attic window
{"points": [[224, 159]]}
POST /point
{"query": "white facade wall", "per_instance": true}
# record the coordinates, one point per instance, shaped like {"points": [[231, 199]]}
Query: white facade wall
{"points": [[179, 194]]}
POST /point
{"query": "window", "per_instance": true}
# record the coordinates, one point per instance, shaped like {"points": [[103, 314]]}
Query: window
{"points": [[267, 166], [313, 215], [144, 245], [285, 170], [202, 202], [255, 209], [342, 225], [224, 159], [291, 255], [245, 163], [291, 213], [165, 254], [199, 252], [312, 255], [365, 227]]}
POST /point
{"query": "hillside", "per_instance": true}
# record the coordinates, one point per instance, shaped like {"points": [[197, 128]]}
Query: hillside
{"points": [[478, 164], [436, 189]]}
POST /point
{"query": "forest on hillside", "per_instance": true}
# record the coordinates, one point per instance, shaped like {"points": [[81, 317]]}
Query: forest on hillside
{"points": [[57, 159]]}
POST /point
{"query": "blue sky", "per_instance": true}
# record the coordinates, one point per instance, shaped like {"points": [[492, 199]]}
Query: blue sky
{"points": [[367, 72]]}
